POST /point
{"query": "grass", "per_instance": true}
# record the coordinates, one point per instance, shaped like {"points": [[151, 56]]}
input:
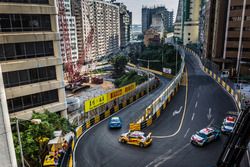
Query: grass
{"points": [[128, 78]]}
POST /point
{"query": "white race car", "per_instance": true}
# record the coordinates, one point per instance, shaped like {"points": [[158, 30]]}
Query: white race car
{"points": [[228, 124], [205, 136]]}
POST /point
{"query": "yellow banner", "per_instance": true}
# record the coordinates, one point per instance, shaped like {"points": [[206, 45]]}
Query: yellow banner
{"points": [[105, 98], [95, 102], [121, 91]]}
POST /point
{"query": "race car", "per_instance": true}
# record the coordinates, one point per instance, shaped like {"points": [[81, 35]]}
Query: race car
{"points": [[115, 122], [137, 138], [228, 124], [205, 136]]}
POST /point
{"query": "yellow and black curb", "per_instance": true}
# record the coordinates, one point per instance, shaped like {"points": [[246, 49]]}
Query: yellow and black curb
{"points": [[220, 81], [146, 120], [81, 129]]}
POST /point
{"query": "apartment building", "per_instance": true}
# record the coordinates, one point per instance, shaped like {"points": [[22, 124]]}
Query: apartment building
{"points": [[71, 23], [148, 13], [125, 24], [104, 17], [187, 21], [228, 36], [30, 59]]}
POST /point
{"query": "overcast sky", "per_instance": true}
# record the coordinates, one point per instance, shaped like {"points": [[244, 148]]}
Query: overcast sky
{"points": [[136, 5]]}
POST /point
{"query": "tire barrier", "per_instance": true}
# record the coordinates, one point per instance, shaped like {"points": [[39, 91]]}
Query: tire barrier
{"points": [[218, 79], [154, 110]]}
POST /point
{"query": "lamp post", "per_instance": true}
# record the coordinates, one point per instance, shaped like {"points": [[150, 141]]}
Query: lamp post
{"points": [[148, 61], [34, 121]]}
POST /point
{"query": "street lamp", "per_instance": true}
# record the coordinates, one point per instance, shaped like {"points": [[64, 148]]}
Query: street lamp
{"points": [[34, 121], [152, 61]]}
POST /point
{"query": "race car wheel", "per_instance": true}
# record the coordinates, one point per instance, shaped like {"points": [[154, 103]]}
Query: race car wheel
{"points": [[123, 141], [141, 145]]}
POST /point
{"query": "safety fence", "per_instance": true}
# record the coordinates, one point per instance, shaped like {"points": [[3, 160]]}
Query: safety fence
{"points": [[228, 87], [114, 106], [153, 111]]}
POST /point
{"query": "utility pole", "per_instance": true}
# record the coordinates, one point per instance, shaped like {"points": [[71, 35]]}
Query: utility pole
{"points": [[20, 143], [148, 61]]}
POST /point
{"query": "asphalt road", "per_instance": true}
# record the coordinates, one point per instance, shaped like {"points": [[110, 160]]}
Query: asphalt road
{"points": [[207, 104]]}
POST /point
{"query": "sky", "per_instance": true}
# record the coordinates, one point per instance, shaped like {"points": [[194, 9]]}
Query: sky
{"points": [[136, 5]]}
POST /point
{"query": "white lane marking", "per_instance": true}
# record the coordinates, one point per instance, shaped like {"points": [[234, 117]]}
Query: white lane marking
{"points": [[79, 139], [209, 115], [186, 133], [183, 114], [211, 123], [193, 116], [177, 111], [196, 104], [163, 158]]}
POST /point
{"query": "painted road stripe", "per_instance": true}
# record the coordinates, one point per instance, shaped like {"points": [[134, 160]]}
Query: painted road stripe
{"points": [[193, 116], [167, 156], [186, 132], [211, 123], [196, 104], [183, 114]]}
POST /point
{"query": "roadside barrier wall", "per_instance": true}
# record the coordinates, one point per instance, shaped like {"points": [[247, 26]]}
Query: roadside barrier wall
{"points": [[153, 111], [114, 106], [218, 79]]}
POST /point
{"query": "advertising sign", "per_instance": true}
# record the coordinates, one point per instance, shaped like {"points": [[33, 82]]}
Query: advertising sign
{"points": [[121, 91], [95, 102]]}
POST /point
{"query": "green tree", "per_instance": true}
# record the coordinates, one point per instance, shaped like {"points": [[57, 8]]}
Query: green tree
{"points": [[119, 63], [32, 134]]}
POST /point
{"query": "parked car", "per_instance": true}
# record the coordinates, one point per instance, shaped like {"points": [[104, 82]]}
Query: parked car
{"points": [[205, 136], [137, 138], [115, 122]]}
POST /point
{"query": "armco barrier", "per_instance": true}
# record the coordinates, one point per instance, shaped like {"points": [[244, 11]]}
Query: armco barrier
{"points": [[122, 102], [219, 80], [153, 111]]}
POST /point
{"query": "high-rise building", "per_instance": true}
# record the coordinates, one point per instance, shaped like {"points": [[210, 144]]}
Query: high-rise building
{"points": [[208, 29], [187, 21], [230, 36], [147, 15], [104, 17], [125, 24], [30, 60], [71, 23]]}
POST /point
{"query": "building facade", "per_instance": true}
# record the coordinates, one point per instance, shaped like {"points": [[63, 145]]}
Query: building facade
{"points": [[187, 27], [125, 24], [228, 36], [148, 13], [30, 60], [152, 37], [71, 23], [104, 17]]}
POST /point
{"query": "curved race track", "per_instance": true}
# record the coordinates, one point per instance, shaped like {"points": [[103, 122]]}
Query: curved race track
{"points": [[207, 104]]}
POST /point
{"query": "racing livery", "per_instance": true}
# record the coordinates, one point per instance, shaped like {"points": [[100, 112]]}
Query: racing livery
{"points": [[115, 122], [205, 136], [228, 124], [136, 138]]}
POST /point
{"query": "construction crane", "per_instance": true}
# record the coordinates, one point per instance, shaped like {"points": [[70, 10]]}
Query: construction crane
{"points": [[73, 73]]}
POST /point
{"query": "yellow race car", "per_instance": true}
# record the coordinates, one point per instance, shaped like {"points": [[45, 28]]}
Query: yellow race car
{"points": [[136, 138]]}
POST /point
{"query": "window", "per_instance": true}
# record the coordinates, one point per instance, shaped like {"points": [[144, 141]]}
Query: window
{"points": [[33, 100], [24, 22], [29, 76], [27, 1], [26, 50]]}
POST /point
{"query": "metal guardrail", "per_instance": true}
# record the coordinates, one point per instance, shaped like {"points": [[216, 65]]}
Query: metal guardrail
{"points": [[153, 110]]}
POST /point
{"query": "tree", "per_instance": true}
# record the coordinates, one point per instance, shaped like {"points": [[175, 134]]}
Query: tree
{"points": [[119, 63], [34, 137]]}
